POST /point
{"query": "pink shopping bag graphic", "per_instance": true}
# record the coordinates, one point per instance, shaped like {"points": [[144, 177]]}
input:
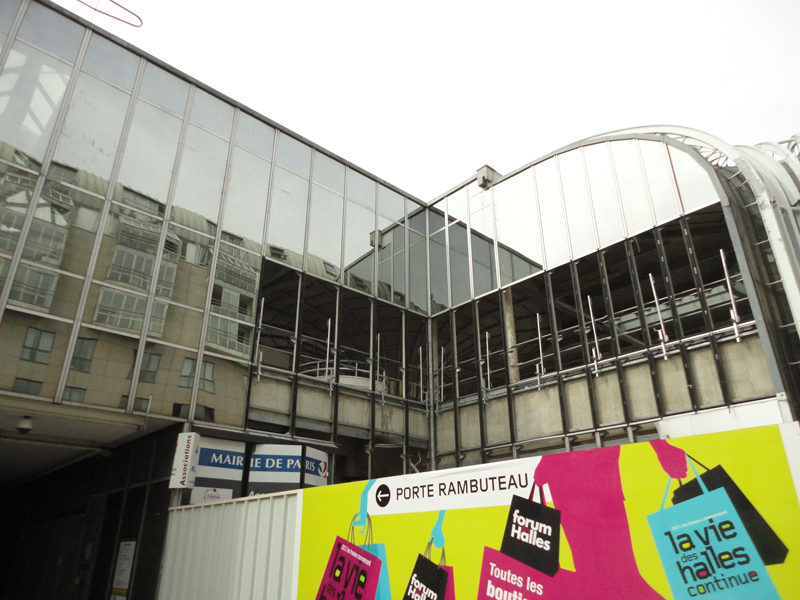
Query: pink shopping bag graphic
{"points": [[352, 573]]}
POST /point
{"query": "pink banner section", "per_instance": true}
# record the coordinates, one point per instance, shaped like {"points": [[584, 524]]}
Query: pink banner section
{"points": [[503, 578]]}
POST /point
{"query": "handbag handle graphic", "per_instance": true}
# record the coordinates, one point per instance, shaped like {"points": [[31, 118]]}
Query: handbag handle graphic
{"points": [[351, 532], [669, 482]]}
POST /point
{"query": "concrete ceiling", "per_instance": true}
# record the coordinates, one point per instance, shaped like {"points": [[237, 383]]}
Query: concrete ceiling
{"points": [[61, 435]]}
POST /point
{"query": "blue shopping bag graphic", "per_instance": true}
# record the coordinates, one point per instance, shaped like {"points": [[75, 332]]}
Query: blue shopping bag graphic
{"points": [[705, 549], [384, 590]]}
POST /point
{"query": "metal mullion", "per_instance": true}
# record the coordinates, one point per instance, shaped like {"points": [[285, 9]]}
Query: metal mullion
{"points": [[212, 272], [298, 327], [564, 209], [98, 240], [539, 224], [428, 299], [468, 225], [623, 391], [576, 294], [47, 159], [162, 238], [431, 399], [373, 377], [335, 382], [637, 292], [512, 413], [647, 195], [456, 388], [375, 248], [404, 342], [707, 320], [308, 213], [447, 253], [616, 191], [476, 328], [589, 199], [12, 33], [342, 280], [406, 263], [269, 191], [675, 317]]}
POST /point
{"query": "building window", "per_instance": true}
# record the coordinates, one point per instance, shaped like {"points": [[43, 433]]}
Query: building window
{"points": [[34, 287], [149, 370], [131, 268], [73, 394], [37, 345], [139, 404], [125, 311], [202, 413], [206, 376], [82, 357], [26, 386]]}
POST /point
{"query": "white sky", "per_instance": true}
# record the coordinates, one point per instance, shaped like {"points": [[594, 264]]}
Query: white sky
{"points": [[423, 93]]}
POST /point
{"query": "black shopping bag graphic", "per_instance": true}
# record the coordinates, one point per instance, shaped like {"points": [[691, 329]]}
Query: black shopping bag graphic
{"points": [[768, 545], [532, 534], [428, 581]]}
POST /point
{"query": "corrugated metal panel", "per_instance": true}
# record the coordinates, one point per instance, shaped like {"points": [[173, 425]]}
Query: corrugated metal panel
{"points": [[239, 550]]}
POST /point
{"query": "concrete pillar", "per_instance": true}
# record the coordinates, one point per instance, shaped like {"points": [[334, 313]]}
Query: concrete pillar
{"points": [[511, 335]]}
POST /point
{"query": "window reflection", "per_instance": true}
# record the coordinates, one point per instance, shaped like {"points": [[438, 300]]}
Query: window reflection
{"points": [[552, 211], [604, 193], [202, 169], [359, 238], [576, 200], [286, 232], [635, 203], [246, 201]]}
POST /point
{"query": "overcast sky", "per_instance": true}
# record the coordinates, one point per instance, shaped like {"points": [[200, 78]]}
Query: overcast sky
{"points": [[422, 94]]}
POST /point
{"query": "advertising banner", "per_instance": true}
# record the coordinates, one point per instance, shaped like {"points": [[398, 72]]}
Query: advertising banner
{"points": [[714, 515]]}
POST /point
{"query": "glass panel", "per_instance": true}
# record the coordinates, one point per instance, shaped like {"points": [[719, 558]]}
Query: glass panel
{"points": [[459, 264], [627, 320], [222, 394], [568, 323], [483, 270], [46, 291], [255, 135], [549, 192], [115, 309], [479, 201], [90, 136], [694, 183], [246, 202], [576, 199], [466, 372], [648, 264], [212, 113], [358, 251], [164, 89], [418, 272], [534, 350], [51, 32], [490, 328], [294, 155], [171, 386], [16, 188], [279, 292], [483, 222], [325, 233], [457, 204], [62, 232], [111, 62], [659, 180], [360, 189], [391, 264], [191, 272], [318, 336], [286, 232], [436, 218], [236, 284], [8, 12], [604, 194], [416, 356], [329, 173], [390, 204], [355, 366], [33, 85], [32, 351], [631, 186], [181, 325], [439, 279], [389, 350], [101, 367], [201, 174], [443, 368], [598, 329], [149, 159]]}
